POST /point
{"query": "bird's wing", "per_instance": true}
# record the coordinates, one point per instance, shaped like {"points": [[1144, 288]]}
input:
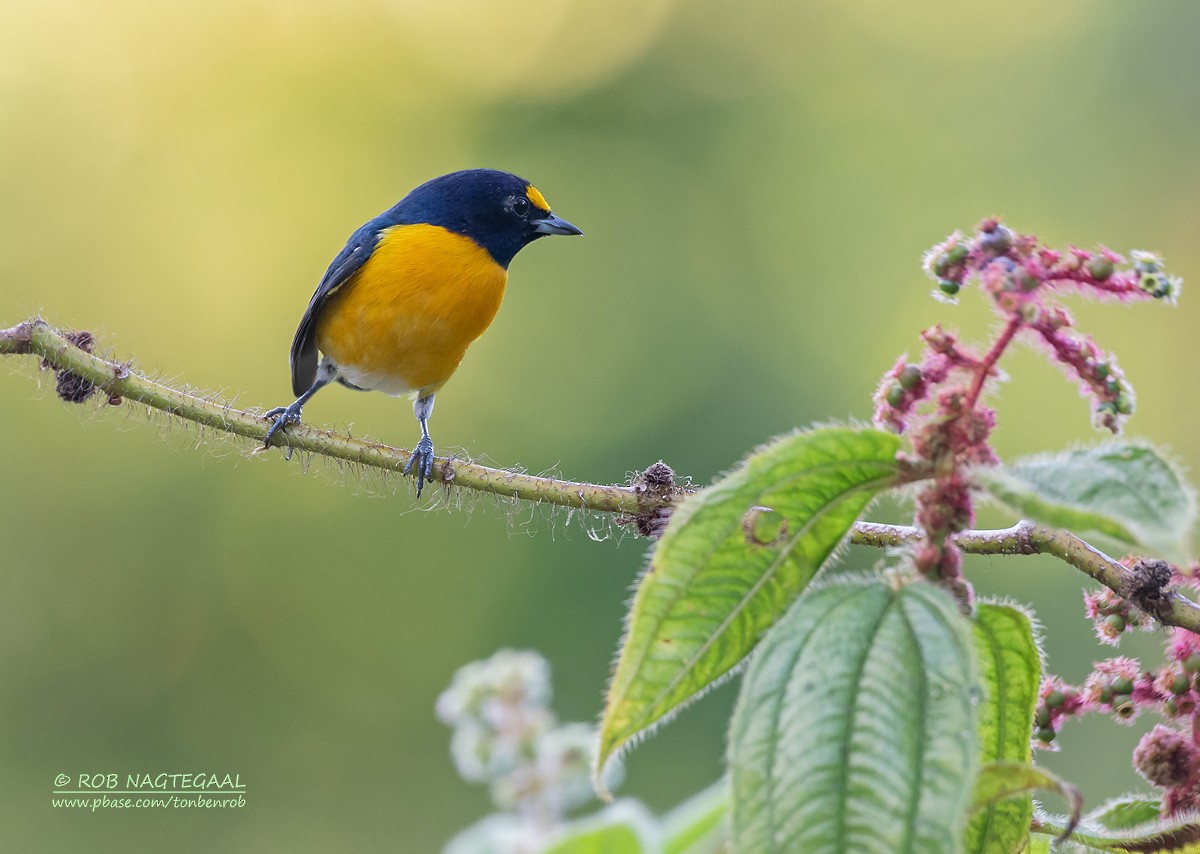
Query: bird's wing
{"points": [[304, 346]]}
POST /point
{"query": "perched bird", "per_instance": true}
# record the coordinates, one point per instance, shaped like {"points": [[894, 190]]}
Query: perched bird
{"points": [[400, 304]]}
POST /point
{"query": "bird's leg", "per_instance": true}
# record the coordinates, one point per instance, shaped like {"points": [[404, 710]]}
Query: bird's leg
{"points": [[422, 455], [285, 415]]}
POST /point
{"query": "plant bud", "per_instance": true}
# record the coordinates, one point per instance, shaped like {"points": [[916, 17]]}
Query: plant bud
{"points": [[910, 377], [997, 240], [1099, 268], [1121, 685], [1165, 757], [1025, 280]]}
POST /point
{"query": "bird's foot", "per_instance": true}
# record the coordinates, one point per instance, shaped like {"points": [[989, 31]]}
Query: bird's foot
{"points": [[283, 415], [422, 459]]}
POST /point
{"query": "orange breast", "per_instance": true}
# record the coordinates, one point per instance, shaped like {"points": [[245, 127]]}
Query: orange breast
{"points": [[404, 321]]}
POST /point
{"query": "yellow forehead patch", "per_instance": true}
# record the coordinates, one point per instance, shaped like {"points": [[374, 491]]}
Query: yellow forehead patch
{"points": [[537, 198]]}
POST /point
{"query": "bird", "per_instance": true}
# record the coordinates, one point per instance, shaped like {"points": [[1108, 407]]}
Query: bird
{"points": [[411, 290]]}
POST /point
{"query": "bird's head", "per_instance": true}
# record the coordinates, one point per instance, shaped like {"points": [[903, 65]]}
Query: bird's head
{"points": [[498, 210]]}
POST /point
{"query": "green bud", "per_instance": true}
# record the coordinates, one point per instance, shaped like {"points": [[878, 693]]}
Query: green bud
{"points": [[950, 288], [1122, 705], [1124, 404], [1116, 623], [941, 265], [1113, 385], [1041, 716], [1025, 280], [1121, 685], [958, 254], [1180, 684], [1106, 694], [910, 377], [1099, 268], [1192, 663], [1045, 735], [1101, 370], [1055, 699], [895, 395], [1171, 708]]}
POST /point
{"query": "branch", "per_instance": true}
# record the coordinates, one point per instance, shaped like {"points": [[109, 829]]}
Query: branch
{"points": [[80, 373], [1027, 538], [646, 503]]}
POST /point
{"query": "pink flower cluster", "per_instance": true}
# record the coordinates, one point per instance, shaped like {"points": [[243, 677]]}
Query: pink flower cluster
{"points": [[1113, 615], [935, 400], [1023, 277], [1167, 756]]}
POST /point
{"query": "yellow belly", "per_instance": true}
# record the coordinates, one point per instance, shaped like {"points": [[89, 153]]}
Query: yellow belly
{"points": [[404, 321]]}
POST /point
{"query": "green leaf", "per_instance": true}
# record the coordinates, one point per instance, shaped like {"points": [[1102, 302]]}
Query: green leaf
{"points": [[999, 781], [1010, 673], [1125, 491], [622, 828], [1127, 812], [697, 826], [1037, 845], [1128, 824], [855, 727], [731, 561]]}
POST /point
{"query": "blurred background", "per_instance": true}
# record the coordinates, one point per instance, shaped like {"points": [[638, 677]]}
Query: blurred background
{"points": [[757, 182]]}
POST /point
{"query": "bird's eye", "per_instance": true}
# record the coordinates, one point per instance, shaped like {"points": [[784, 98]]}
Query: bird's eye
{"points": [[520, 206]]}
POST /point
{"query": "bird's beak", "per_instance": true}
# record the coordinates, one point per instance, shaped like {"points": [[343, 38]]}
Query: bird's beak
{"points": [[552, 224]]}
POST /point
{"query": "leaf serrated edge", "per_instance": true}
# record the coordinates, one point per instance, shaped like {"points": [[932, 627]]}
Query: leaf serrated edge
{"points": [[608, 756], [1035, 631], [1173, 463], [1035, 624]]}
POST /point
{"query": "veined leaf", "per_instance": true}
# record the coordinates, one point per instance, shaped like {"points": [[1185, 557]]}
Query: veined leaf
{"points": [[999, 781], [731, 561], [855, 727], [1124, 813], [1010, 674], [1124, 491]]}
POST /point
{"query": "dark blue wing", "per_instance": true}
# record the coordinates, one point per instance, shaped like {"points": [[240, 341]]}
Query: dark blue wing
{"points": [[348, 262]]}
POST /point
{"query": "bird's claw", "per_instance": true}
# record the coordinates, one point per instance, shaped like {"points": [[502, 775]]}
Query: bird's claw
{"points": [[422, 458], [283, 415]]}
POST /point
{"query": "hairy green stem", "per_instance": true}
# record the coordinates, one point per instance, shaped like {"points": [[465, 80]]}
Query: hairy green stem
{"points": [[118, 380]]}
